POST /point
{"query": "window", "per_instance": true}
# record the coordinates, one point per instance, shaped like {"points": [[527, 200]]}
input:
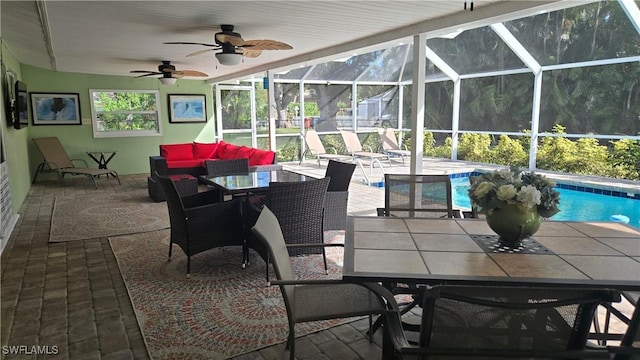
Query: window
{"points": [[122, 113]]}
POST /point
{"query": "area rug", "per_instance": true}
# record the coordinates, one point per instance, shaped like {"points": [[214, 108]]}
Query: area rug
{"points": [[103, 215], [222, 310]]}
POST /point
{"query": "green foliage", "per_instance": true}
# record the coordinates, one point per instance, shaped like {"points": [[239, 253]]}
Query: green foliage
{"points": [[334, 141], [474, 147], [625, 159], [510, 152], [123, 111], [290, 151]]}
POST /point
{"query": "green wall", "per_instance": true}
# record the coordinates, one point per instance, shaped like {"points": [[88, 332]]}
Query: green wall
{"points": [[133, 152]]}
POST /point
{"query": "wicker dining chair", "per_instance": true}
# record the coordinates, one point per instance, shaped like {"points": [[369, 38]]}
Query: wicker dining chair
{"points": [[312, 300], [629, 347], [337, 198], [495, 322], [201, 221], [227, 167], [299, 207]]}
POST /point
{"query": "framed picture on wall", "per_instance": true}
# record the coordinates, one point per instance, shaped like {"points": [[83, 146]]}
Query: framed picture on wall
{"points": [[55, 109], [187, 108]]}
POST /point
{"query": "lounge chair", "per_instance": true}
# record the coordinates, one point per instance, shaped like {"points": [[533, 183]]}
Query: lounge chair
{"points": [[57, 160], [352, 142], [315, 148], [390, 144]]}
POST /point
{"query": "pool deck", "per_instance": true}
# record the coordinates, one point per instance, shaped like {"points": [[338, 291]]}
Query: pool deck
{"points": [[365, 199]]}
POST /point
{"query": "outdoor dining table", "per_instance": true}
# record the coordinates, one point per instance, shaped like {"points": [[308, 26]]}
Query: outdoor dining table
{"points": [[466, 251], [251, 182]]}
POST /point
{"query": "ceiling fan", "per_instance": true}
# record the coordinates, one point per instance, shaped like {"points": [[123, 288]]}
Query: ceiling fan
{"points": [[169, 73], [234, 47]]}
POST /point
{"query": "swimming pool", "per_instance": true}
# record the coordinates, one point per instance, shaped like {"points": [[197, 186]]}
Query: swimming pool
{"points": [[574, 205]]}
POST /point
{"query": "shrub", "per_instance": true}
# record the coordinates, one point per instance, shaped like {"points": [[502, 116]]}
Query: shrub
{"points": [[474, 147]]}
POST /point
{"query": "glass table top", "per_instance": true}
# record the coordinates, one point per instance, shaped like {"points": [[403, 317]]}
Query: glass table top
{"points": [[253, 180]]}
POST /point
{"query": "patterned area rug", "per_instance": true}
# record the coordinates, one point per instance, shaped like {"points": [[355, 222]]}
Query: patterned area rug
{"points": [[103, 215], [222, 310]]}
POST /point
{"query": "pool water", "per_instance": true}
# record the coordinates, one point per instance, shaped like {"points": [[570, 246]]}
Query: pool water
{"points": [[574, 205]]}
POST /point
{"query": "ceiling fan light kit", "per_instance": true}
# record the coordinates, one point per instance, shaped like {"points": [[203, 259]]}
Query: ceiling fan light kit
{"points": [[168, 80], [229, 58]]}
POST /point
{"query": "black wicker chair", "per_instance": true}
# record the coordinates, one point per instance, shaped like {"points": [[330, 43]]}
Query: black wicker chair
{"points": [[312, 300], [493, 322], [336, 201], [200, 222], [299, 207], [227, 167]]}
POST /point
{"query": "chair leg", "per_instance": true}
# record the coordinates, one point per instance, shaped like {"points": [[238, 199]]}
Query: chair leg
{"points": [[267, 271], [324, 258], [170, 248], [189, 266], [292, 345]]}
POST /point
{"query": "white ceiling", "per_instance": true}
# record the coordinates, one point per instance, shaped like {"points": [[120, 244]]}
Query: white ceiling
{"points": [[114, 37]]}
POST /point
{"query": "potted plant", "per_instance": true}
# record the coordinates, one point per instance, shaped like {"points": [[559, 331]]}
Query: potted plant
{"points": [[514, 202]]}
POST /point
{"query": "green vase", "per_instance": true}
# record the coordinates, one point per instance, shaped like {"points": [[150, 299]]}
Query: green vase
{"points": [[512, 225]]}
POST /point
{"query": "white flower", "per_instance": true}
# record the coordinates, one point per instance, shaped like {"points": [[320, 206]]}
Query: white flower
{"points": [[483, 188], [504, 173], [506, 192], [529, 196]]}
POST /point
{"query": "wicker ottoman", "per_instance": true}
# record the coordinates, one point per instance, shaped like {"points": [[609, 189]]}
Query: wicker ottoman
{"points": [[185, 183]]}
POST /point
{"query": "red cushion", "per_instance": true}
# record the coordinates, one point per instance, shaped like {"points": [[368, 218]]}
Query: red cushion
{"points": [[177, 151], [222, 149], [230, 152], [184, 163], [261, 157], [245, 152], [204, 151]]}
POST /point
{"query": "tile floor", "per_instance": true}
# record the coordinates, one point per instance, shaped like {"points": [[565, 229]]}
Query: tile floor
{"points": [[71, 297]]}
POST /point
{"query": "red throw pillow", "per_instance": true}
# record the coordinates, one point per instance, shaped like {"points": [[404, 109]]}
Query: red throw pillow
{"points": [[222, 149], [177, 151], [230, 152], [245, 152], [204, 151], [261, 157]]}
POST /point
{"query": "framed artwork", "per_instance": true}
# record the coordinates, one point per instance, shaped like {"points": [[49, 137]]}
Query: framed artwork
{"points": [[187, 108], [55, 109]]}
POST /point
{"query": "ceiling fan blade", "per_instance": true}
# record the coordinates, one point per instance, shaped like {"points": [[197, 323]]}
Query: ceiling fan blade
{"points": [[200, 52], [192, 73], [145, 71], [250, 52], [150, 74], [267, 45], [188, 43], [229, 39]]}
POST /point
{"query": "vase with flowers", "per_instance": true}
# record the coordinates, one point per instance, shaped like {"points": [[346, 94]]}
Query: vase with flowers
{"points": [[514, 202]]}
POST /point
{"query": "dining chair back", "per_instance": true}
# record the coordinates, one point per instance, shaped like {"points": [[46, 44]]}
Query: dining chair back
{"points": [[299, 208], [337, 198], [201, 221], [411, 195], [313, 300], [225, 167], [506, 321]]}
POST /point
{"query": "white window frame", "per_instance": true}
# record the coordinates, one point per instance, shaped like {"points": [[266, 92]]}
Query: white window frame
{"points": [[126, 133]]}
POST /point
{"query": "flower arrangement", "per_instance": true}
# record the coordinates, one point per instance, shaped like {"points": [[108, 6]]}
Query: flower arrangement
{"points": [[512, 186]]}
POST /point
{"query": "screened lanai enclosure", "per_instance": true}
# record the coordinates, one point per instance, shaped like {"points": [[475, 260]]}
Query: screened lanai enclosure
{"points": [[555, 91]]}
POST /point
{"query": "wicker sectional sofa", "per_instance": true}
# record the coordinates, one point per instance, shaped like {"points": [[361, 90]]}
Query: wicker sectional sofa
{"points": [[189, 158]]}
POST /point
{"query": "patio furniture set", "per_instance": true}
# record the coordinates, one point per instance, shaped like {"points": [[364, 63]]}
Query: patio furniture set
{"points": [[476, 299]]}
